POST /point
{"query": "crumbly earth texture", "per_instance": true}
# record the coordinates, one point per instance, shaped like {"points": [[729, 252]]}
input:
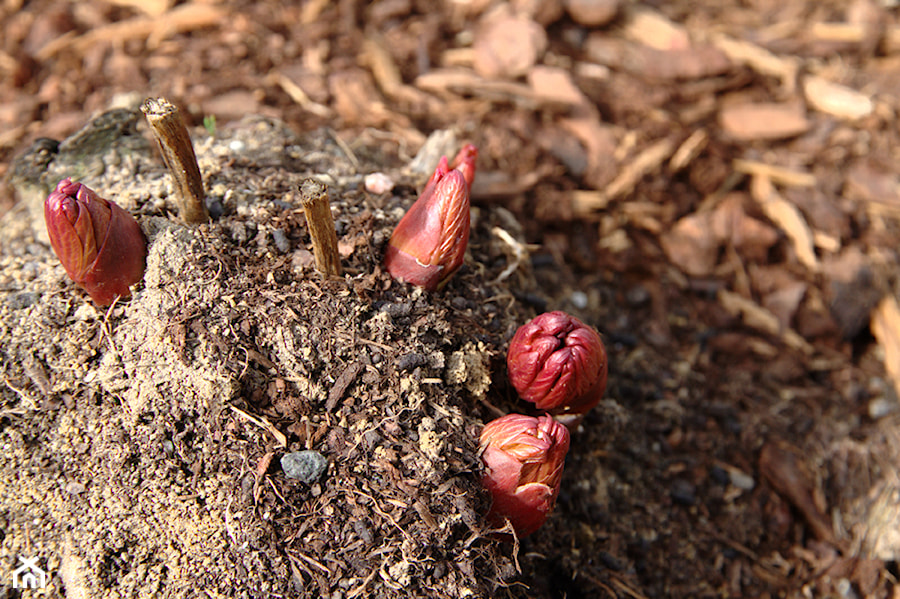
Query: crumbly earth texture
{"points": [[142, 442]]}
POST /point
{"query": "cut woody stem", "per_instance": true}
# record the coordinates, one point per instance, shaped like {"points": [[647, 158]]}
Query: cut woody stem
{"points": [[314, 196], [175, 144]]}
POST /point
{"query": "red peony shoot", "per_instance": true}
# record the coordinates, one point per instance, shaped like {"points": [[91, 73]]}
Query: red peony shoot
{"points": [[100, 245], [523, 458]]}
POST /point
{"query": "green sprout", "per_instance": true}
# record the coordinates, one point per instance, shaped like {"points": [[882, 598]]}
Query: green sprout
{"points": [[209, 123]]}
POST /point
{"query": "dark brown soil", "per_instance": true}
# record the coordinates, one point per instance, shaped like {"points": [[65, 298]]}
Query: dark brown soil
{"points": [[714, 189]]}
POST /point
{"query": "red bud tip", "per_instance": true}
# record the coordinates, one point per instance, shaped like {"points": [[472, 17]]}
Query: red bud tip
{"points": [[439, 172], [465, 163], [558, 363], [99, 244], [523, 458], [429, 243]]}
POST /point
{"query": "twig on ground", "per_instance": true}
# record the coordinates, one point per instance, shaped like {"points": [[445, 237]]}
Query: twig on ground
{"points": [[314, 196], [175, 144]]}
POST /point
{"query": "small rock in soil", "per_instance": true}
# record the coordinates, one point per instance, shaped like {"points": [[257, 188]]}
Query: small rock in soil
{"points": [[306, 466], [683, 492]]}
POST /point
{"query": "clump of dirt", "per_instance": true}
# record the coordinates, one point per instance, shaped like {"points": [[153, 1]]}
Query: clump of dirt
{"points": [[142, 441]]}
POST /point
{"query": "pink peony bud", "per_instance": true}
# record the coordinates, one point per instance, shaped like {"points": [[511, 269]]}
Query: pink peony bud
{"points": [[100, 245], [429, 243], [465, 163], [523, 458], [558, 363]]}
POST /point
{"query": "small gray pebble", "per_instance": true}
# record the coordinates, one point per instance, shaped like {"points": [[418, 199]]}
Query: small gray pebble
{"points": [[168, 447], [637, 296], [281, 241], [881, 407], [579, 299], [683, 492], [306, 466], [741, 480]]}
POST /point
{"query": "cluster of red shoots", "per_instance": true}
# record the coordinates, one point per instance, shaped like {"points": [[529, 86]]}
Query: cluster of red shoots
{"points": [[559, 364], [555, 361]]}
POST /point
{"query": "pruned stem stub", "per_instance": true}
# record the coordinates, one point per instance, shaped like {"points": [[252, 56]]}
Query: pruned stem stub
{"points": [[175, 144], [314, 196]]}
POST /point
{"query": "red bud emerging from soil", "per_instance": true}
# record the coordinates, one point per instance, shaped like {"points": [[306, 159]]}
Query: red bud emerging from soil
{"points": [[558, 363], [429, 243], [99, 244], [465, 163], [523, 458]]}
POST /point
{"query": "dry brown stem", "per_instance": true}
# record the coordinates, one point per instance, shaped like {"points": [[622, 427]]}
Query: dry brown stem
{"points": [[314, 196], [175, 144]]}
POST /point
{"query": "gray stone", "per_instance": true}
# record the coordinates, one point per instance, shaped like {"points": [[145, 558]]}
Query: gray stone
{"points": [[306, 466]]}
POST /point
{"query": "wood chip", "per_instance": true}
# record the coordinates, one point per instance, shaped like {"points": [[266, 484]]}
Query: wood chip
{"points": [[592, 13], [853, 33], [760, 60], [586, 200], [766, 120], [599, 141], [789, 474], [836, 100], [777, 174], [871, 182], [312, 10], [507, 46], [853, 290], [297, 94], [554, 85], [356, 99], [648, 161], [731, 225], [688, 150], [691, 246], [788, 218], [261, 467], [784, 301], [379, 59], [758, 318], [697, 62], [181, 19], [464, 81], [340, 385], [498, 184], [153, 8], [653, 29], [886, 329]]}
